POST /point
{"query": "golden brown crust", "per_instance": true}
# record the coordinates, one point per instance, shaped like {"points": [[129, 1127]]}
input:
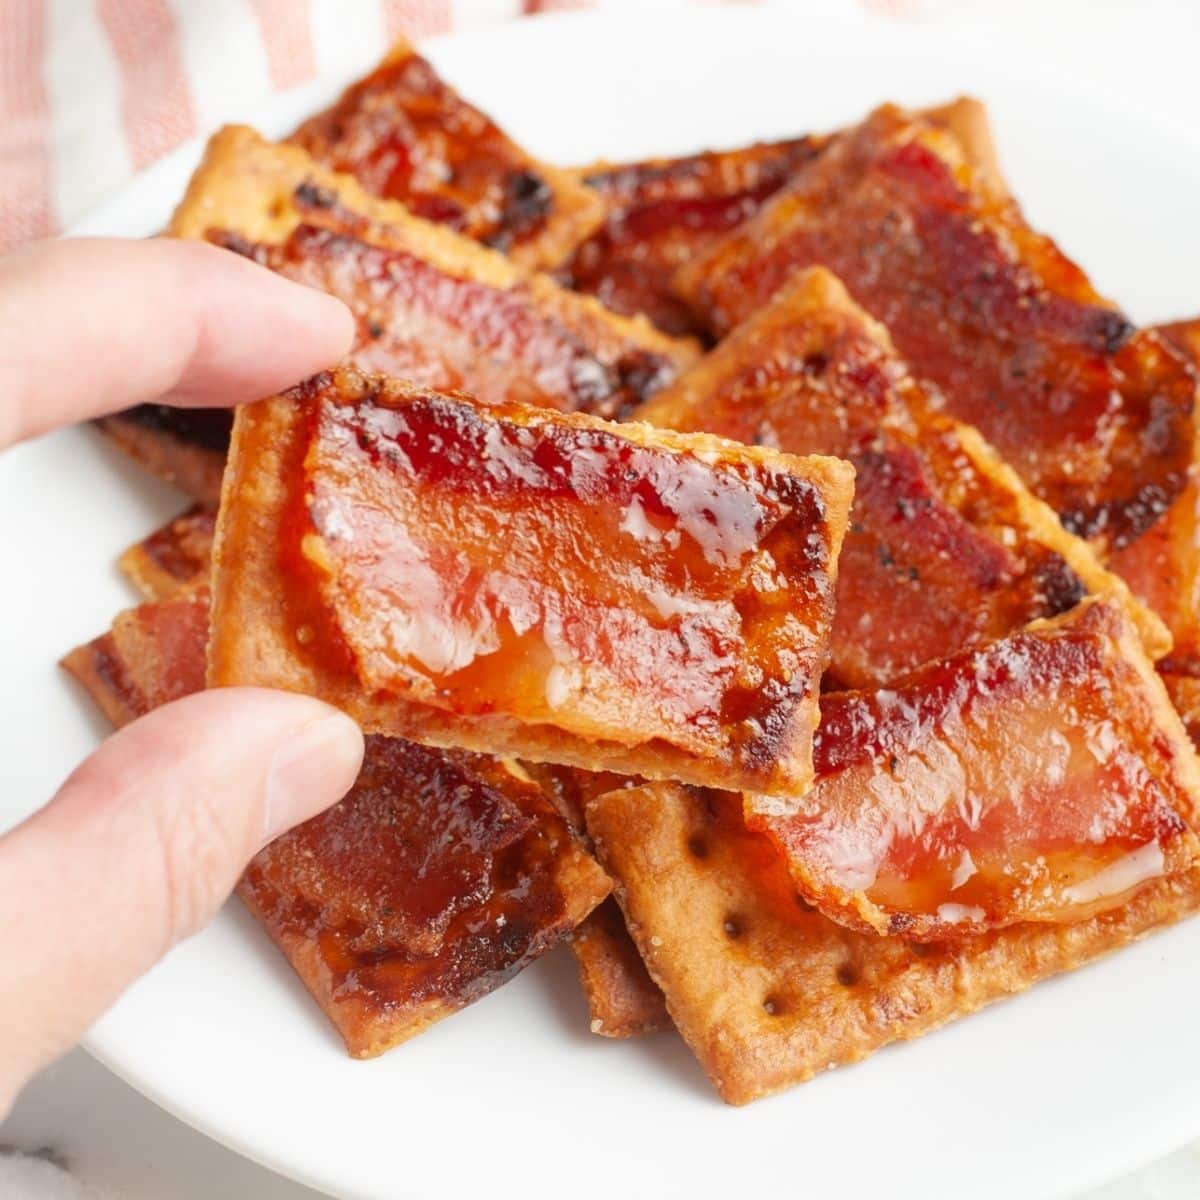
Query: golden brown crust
{"points": [[254, 630], [622, 999], [767, 993], [458, 167], [173, 560]]}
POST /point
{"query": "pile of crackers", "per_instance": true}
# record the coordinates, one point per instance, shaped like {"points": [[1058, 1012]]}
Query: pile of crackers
{"points": [[771, 571]]}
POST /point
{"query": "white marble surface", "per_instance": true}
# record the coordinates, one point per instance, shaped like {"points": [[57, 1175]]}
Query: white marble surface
{"points": [[119, 1146]]}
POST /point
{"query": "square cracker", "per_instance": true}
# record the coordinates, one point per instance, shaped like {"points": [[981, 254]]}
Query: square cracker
{"points": [[276, 203], [277, 622], [765, 990], [464, 169], [438, 876]]}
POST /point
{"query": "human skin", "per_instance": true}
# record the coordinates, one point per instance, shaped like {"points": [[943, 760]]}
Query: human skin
{"points": [[147, 837]]}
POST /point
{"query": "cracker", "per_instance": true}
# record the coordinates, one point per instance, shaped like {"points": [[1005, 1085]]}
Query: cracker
{"points": [[946, 548], [606, 550], [406, 135], [175, 559], [767, 992], [1043, 777], [183, 446], [437, 877]]}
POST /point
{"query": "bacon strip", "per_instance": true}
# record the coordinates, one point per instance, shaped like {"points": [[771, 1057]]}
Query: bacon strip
{"points": [[406, 135], [438, 877], [661, 213], [542, 584], [1040, 778], [946, 548], [1093, 414]]}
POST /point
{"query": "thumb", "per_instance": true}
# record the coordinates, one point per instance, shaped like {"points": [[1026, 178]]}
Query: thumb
{"points": [[142, 845]]}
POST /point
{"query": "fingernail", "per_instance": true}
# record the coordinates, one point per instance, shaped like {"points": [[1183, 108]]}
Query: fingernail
{"points": [[313, 769]]}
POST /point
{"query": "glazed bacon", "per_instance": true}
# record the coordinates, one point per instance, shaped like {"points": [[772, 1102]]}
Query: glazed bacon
{"points": [[184, 446], [946, 548], [1163, 565], [430, 305], [436, 878], [661, 213], [406, 135], [542, 584], [174, 560], [1093, 414], [1040, 778], [765, 990]]}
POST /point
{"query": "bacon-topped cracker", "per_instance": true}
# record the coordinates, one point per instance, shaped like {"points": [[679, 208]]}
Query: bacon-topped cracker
{"points": [[406, 135], [541, 584], [1163, 565], [1039, 778], [175, 559], [661, 212], [184, 446], [946, 547], [1092, 413], [768, 991], [431, 306], [436, 878]]}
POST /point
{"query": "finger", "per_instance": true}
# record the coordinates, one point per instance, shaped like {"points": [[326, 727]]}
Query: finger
{"points": [[91, 326], [142, 845]]}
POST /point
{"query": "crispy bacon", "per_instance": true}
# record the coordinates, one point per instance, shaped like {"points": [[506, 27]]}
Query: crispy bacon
{"points": [[421, 323], [544, 584], [765, 990], [406, 135], [1163, 565], [1040, 778], [184, 446], [173, 560], [662, 212], [1094, 415], [946, 548], [439, 876]]}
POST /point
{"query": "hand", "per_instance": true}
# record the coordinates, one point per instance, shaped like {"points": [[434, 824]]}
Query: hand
{"points": [[147, 838]]}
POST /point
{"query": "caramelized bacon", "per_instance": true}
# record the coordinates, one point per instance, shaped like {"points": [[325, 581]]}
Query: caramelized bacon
{"points": [[406, 135], [664, 212], [1163, 565], [153, 654], [946, 548], [184, 446], [1040, 778], [173, 560], [1094, 415], [661, 213], [439, 876], [438, 330], [541, 584], [765, 990], [429, 303]]}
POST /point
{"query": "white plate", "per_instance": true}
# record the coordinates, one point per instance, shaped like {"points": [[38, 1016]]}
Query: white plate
{"points": [[1079, 1079]]}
